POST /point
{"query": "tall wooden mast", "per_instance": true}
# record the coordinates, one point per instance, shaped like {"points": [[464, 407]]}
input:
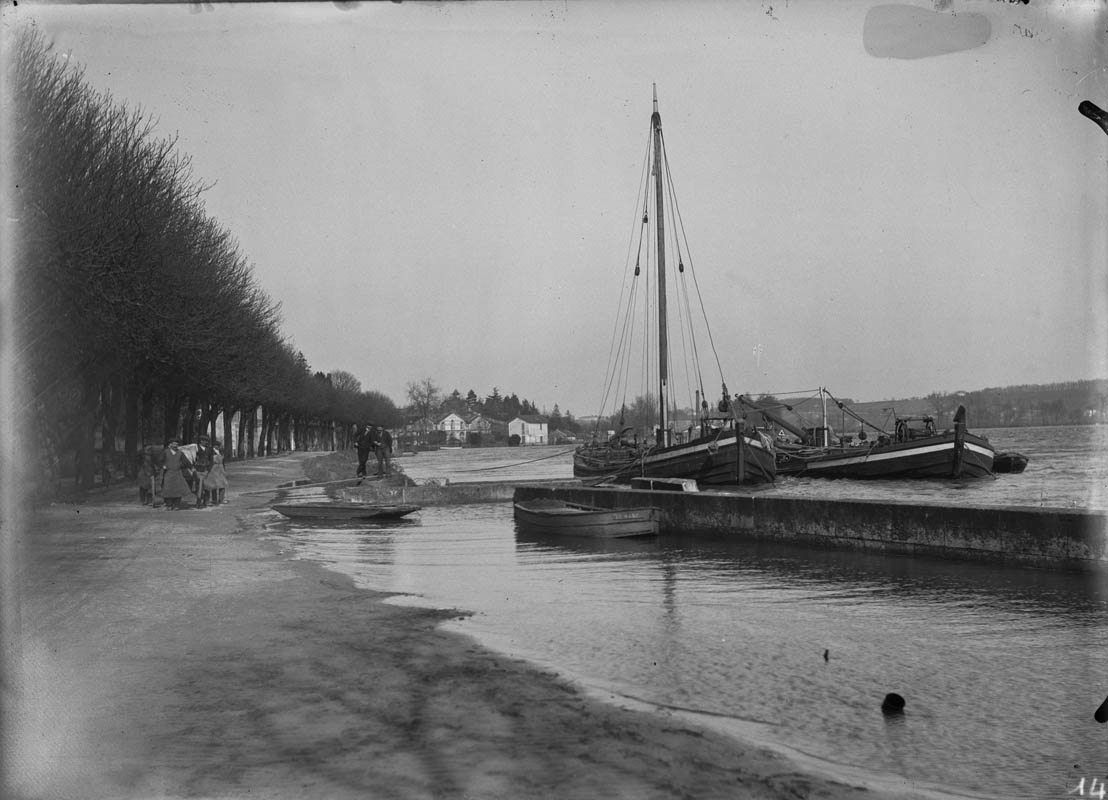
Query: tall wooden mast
{"points": [[659, 223]]}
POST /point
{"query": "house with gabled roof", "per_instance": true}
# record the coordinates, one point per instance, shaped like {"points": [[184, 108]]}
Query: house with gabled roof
{"points": [[453, 426], [529, 429], [478, 423]]}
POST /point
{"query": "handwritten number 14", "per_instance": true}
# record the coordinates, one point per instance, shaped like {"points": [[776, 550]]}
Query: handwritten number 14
{"points": [[1096, 789]]}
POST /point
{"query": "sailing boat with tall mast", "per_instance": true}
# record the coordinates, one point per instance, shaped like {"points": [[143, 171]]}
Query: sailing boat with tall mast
{"points": [[715, 448]]}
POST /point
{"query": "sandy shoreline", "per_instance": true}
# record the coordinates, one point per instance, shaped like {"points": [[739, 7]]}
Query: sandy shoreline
{"points": [[177, 654]]}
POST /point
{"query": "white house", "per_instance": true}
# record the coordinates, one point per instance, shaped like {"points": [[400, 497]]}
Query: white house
{"points": [[530, 430], [453, 426]]}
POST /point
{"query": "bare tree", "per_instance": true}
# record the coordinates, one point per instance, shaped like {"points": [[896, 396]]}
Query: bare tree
{"points": [[424, 398], [345, 382]]}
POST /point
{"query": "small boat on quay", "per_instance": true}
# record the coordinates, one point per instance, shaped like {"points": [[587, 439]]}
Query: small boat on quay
{"points": [[718, 447], [574, 519], [914, 449], [333, 511]]}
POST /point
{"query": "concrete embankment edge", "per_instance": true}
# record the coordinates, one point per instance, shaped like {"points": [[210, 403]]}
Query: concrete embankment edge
{"points": [[1041, 537]]}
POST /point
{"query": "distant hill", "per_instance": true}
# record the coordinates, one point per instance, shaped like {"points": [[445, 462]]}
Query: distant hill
{"points": [[1071, 403]]}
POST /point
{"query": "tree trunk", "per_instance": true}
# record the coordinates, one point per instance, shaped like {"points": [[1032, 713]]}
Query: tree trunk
{"points": [[263, 433], [146, 417], [190, 422], [131, 430], [209, 412], [86, 434], [243, 443], [251, 423], [202, 413], [108, 414], [227, 431], [172, 414]]}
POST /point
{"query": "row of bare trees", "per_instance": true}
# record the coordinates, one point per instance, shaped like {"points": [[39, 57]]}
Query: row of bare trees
{"points": [[139, 318]]}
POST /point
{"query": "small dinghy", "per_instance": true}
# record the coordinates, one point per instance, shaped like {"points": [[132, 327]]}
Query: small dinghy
{"points": [[344, 510], [1009, 462], [574, 519]]}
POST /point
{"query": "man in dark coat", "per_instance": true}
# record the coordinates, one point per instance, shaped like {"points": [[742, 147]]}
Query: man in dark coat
{"points": [[200, 467], [364, 441]]}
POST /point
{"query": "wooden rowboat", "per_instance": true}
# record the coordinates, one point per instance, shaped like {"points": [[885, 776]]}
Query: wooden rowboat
{"points": [[574, 519], [344, 510], [1009, 462]]}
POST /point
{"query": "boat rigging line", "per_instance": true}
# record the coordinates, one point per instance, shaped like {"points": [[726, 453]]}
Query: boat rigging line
{"points": [[618, 362], [847, 410], [518, 463]]}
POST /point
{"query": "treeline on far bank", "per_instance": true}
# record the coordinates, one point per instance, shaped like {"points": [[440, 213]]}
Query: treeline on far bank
{"points": [[1070, 403], [1027, 405], [138, 318]]}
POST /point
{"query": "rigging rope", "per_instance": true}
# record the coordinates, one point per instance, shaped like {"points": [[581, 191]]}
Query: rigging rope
{"points": [[619, 334], [517, 464], [618, 361], [851, 412], [679, 221]]}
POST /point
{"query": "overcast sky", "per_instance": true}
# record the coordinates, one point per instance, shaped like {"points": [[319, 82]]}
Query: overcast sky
{"points": [[446, 191]]}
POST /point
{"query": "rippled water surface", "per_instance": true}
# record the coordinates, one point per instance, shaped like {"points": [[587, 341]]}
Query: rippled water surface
{"points": [[1001, 667]]}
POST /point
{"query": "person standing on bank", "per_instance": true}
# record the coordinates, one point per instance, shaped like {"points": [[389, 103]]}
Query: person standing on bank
{"points": [[150, 469], [384, 452], [215, 483], [363, 440], [176, 474], [201, 466]]}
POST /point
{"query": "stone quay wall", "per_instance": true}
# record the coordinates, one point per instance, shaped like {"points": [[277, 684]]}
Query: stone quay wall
{"points": [[1043, 537]]}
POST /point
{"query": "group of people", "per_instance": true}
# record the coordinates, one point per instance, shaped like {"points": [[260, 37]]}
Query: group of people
{"points": [[176, 472], [373, 439]]}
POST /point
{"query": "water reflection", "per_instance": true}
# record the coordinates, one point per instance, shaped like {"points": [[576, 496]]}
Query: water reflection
{"points": [[530, 540], [918, 578], [844, 576]]}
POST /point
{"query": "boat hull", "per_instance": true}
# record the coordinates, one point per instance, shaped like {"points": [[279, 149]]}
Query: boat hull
{"points": [[344, 511], [571, 519], [600, 461], [710, 461], [931, 457], [714, 461]]}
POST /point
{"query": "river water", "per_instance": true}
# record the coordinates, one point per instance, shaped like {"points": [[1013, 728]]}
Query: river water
{"points": [[1001, 667]]}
